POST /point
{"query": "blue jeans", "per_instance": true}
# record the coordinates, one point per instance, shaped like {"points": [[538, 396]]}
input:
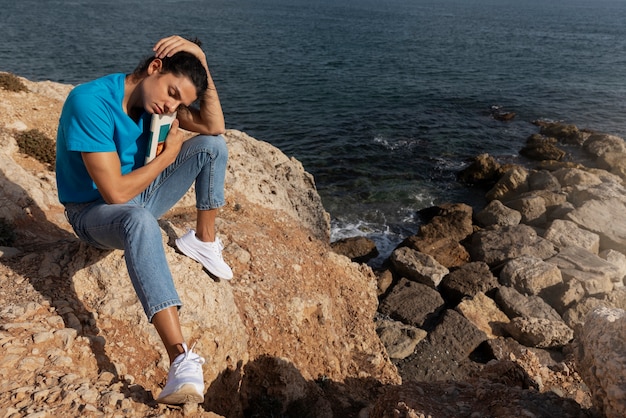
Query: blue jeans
{"points": [[133, 226]]}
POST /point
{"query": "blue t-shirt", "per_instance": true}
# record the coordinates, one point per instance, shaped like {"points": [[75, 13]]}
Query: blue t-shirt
{"points": [[93, 120]]}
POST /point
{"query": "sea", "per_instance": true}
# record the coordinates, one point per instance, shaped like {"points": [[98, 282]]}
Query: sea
{"points": [[383, 101]]}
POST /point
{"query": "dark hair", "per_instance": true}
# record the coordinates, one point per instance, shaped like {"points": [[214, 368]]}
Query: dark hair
{"points": [[180, 64]]}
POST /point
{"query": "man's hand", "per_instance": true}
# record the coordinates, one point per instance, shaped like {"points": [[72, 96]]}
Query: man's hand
{"points": [[174, 140], [167, 47]]}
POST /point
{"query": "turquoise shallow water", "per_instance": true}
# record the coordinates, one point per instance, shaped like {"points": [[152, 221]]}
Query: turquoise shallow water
{"points": [[383, 101]]}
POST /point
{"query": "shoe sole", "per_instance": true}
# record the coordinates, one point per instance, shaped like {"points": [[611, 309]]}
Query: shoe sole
{"points": [[183, 249], [186, 394]]}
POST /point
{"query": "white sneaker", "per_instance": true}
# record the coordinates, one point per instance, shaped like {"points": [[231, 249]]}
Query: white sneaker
{"points": [[185, 381], [209, 254]]}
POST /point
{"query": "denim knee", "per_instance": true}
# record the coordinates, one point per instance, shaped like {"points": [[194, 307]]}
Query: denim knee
{"points": [[214, 145], [140, 221], [211, 178]]}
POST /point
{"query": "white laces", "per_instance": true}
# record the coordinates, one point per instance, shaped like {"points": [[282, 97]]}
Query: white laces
{"points": [[189, 363]]}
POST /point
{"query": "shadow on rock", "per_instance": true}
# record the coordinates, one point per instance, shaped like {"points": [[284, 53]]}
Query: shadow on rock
{"points": [[273, 387], [45, 259]]}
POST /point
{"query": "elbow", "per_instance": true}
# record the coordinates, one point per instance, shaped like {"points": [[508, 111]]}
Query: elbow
{"points": [[116, 201], [216, 129], [221, 131], [115, 198], [213, 132]]}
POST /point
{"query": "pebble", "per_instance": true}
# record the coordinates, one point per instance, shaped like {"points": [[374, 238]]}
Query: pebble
{"points": [[42, 337], [67, 336]]}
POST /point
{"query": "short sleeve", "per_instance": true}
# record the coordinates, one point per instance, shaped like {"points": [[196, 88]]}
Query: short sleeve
{"points": [[88, 124]]}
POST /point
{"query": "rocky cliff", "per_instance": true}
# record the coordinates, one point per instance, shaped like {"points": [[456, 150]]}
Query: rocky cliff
{"points": [[478, 314], [296, 318]]}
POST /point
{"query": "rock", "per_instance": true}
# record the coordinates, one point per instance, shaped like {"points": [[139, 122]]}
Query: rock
{"points": [[607, 190], [384, 280], [267, 177], [497, 214], [507, 348], [8, 252], [540, 148], [568, 134], [619, 261], [483, 170], [569, 177], [565, 295], [594, 274], [559, 211], [483, 312], [439, 237], [563, 233], [399, 339], [498, 114], [466, 281], [445, 353], [530, 275], [532, 208], [614, 162], [453, 221], [575, 316], [611, 227], [417, 266], [600, 357], [514, 304], [497, 246], [599, 144], [480, 399], [543, 180], [617, 298], [412, 303], [446, 251], [512, 183], [538, 332], [357, 249], [551, 199]]}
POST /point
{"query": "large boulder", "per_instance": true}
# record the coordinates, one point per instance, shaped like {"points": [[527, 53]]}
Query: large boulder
{"points": [[417, 266], [539, 147], [563, 233], [602, 362], [496, 246], [530, 275], [599, 144], [611, 226], [511, 184], [497, 214], [412, 303], [467, 281], [266, 176], [595, 274], [444, 354]]}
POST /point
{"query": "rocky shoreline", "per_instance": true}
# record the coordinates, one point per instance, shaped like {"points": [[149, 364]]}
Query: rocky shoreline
{"points": [[507, 291], [515, 310]]}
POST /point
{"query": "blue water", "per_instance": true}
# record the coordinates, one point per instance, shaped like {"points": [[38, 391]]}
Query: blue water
{"points": [[383, 101]]}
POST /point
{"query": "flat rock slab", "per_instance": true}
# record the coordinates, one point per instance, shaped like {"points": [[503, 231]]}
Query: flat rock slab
{"points": [[411, 303], [498, 245], [606, 218], [445, 353]]}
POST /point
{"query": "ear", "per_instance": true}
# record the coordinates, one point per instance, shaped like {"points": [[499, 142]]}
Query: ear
{"points": [[155, 66]]}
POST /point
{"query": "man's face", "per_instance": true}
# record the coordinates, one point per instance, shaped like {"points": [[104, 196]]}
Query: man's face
{"points": [[163, 93]]}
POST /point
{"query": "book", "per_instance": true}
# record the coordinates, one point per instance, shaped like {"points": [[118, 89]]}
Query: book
{"points": [[159, 128]]}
